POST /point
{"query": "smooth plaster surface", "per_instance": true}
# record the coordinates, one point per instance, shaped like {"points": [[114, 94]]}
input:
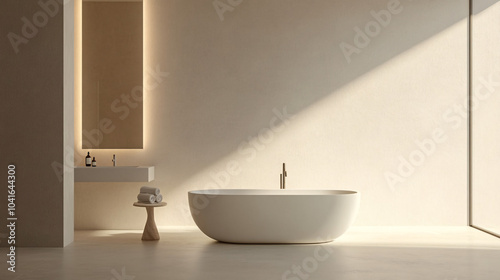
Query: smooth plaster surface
{"points": [[36, 122]]}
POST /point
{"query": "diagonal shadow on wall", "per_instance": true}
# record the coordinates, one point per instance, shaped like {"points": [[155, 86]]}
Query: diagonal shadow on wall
{"points": [[226, 77]]}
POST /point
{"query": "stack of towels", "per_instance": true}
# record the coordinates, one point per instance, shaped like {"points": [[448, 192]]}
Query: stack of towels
{"points": [[149, 195]]}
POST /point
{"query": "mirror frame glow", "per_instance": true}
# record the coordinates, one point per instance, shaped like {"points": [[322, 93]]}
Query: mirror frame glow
{"points": [[112, 74]]}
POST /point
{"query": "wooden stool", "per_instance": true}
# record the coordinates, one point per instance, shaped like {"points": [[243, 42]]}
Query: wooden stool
{"points": [[150, 230]]}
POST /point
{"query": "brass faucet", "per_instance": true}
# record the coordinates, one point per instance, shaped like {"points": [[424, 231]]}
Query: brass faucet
{"points": [[282, 178]]}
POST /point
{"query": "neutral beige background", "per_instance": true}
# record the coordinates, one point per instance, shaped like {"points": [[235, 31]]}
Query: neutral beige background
{"points": [[352, 121], [486, 116], [36, 115]]}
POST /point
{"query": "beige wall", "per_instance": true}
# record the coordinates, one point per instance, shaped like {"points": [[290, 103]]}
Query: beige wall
{"points": [[485, 116], [355, 120], [36, 115]]}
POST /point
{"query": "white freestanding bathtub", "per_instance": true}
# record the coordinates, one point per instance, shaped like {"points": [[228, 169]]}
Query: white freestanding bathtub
{"points": [[273, 216]]}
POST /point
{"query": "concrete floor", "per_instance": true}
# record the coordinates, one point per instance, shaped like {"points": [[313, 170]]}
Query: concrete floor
{"points": [[368, 253]]}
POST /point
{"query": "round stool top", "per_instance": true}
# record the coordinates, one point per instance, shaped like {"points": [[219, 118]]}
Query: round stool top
{"points": [[143, 204]]}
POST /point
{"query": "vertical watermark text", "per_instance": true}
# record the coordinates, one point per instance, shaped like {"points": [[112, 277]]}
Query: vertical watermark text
{"points": [[11, 219]]}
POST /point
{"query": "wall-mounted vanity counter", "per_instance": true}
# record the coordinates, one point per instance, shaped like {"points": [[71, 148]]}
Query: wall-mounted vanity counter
{"points": [[115, 174]]}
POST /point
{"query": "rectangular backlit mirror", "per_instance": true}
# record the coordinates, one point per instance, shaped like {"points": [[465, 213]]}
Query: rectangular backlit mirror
{"points": [[112, 74]]}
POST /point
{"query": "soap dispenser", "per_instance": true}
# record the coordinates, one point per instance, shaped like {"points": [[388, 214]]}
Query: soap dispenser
{"points": [[88, 160], [94, 163]]}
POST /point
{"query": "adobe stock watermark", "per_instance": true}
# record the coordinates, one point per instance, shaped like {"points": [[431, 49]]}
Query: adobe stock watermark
{"points": [[249, 149], [363, 36], [32, 25], [309, 264], [123, 106], [455, 117], [121, 276], [223, 6]]}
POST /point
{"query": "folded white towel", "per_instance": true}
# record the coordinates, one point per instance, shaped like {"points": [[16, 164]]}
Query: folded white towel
{"points": [[146, 189], [146, 197], [159, 198]]}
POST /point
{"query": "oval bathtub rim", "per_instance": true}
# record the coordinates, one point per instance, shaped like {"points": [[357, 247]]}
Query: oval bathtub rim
{"points": [[273, 192]]}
